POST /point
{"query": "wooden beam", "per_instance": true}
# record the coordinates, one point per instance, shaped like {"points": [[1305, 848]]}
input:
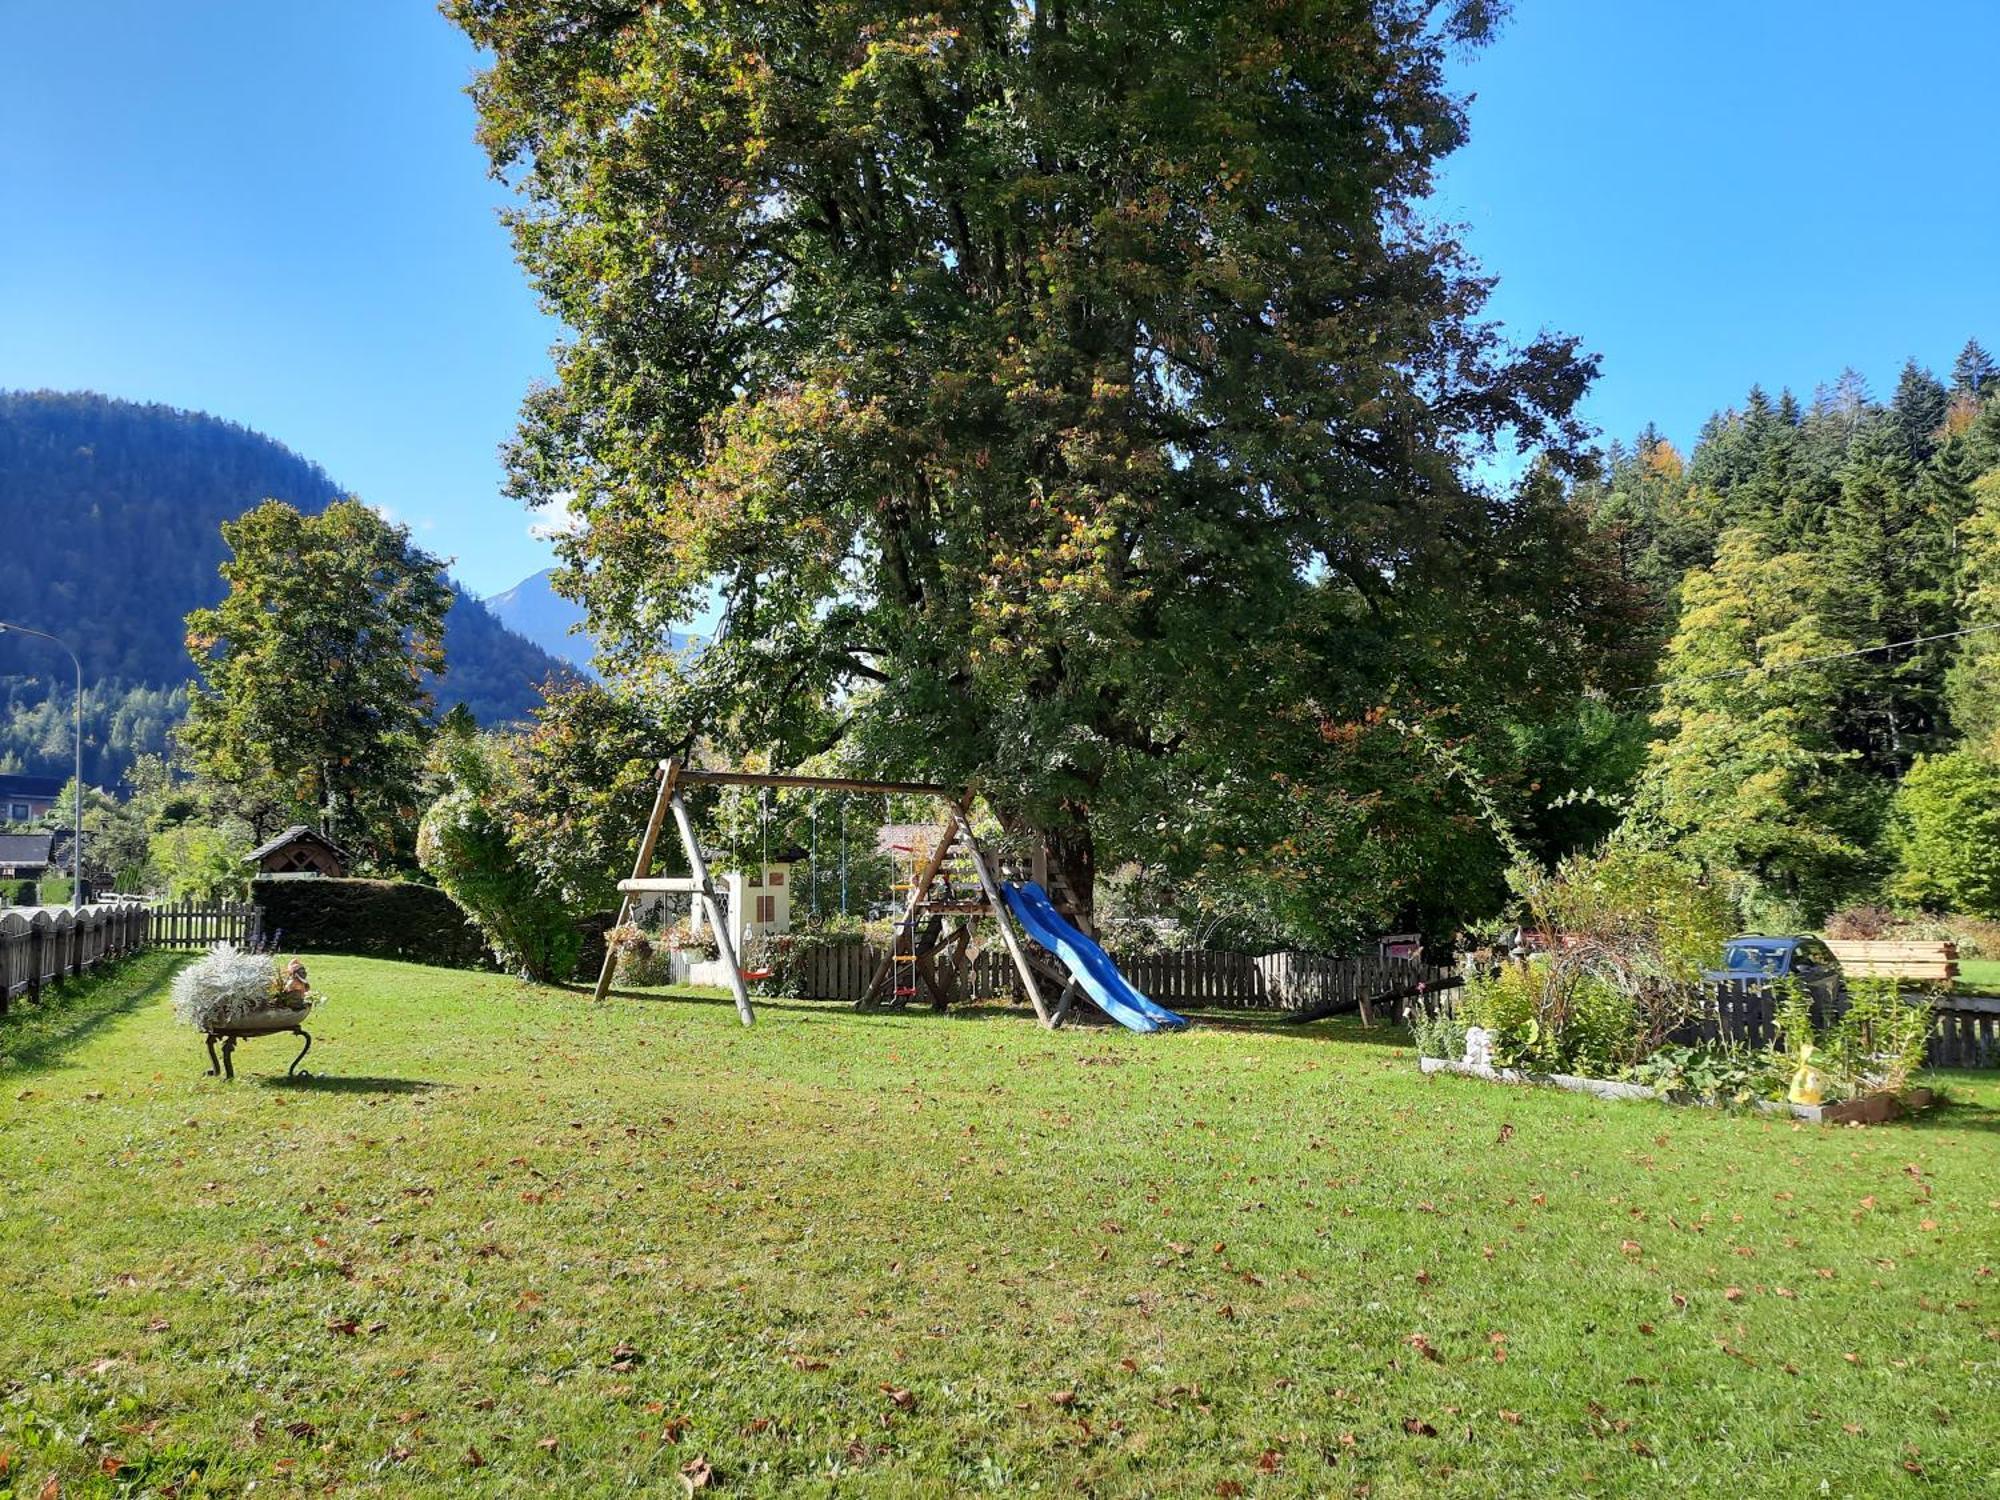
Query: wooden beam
{"points": [[660, 885], [815, 783], [725, 947], [1005, 918], [641, 867]]}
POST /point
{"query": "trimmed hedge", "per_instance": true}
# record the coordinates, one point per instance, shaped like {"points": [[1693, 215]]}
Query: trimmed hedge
{"points": [[372, 918]]}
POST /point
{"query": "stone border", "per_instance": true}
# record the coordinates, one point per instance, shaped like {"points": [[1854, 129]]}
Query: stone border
{"points": [[1875, 1110]]}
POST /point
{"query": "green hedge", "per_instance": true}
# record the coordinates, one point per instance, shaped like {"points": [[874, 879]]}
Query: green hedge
{"points": [[17, 893], [373, 918]]}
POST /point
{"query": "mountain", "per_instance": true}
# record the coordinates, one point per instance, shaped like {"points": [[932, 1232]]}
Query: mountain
{"points": [[110, 532], [534, 610]]}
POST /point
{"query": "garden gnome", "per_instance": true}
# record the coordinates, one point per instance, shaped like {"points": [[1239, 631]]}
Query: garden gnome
{"points": [[295, 979]]}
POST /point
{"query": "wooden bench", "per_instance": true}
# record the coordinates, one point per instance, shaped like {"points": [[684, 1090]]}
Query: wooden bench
{"points": [[1919, 963]]}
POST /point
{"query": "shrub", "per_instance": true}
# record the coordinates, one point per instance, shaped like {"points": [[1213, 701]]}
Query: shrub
{"points": [[1861, 924], [1438, 1032], [1716, 1072], [463, 843], [372, 918], [1874, 1046], [1945, 831]]}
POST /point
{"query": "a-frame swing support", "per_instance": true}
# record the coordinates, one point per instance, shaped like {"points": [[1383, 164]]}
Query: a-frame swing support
{"points": [[673, 775]]}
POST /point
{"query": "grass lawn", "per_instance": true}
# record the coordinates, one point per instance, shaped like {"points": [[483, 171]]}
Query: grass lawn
{"points": [[510, 1243], [1978, 976]]}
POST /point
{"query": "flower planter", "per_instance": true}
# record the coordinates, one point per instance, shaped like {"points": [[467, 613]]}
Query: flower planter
{"points": [[1876, 1109], [270, 1021]]}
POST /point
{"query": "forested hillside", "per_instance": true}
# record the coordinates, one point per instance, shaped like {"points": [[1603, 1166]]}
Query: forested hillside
{"points": [[1795, 539], [110, 517]]}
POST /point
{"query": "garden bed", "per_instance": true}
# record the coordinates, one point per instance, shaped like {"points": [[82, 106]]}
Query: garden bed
{"points": [[1877, 1109]]}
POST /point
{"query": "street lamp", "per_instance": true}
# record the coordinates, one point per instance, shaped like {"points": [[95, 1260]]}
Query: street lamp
{"points": [[76, 845]]}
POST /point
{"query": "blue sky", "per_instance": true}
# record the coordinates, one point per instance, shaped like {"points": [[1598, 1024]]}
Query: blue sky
{"points": [[274, 210]]}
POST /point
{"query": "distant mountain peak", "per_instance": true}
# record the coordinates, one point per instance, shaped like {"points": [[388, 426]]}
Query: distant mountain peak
{"points": [[534, 610]]}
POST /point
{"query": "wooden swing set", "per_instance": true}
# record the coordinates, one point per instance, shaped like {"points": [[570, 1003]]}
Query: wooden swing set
{"points": [[933, 938]]}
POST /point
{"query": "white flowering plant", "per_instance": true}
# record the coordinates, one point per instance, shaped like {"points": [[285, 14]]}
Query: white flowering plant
{"points": [[225, 985]]}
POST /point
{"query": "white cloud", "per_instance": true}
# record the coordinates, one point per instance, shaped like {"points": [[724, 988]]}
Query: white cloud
{"points": [[554, 520]]}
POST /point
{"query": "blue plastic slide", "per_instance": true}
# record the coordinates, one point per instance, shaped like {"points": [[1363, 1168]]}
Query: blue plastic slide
{"points": [[1095, 974]]}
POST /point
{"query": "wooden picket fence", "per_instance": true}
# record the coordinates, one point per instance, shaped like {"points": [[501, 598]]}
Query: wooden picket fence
{"points": [[1192, 979], [201, 925], [43, 946], [1964, 1034]]}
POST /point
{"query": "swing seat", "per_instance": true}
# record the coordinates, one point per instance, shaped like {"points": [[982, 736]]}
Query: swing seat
{"points": [[755, 974]]}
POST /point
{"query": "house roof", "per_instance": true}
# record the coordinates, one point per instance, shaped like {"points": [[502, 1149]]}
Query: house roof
{"points": [[297, 833], [26, 848], [36, 788]]}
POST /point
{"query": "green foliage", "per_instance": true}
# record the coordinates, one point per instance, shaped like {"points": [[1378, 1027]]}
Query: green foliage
{"points": [[201, 862], [1728, 1073], [1439, 1031], [1875, 1044], [464, 845], [581, 789], [1973, 685], [1747, 777], [371, 918], [1033, 427], [313, 666], [1945, 832]]}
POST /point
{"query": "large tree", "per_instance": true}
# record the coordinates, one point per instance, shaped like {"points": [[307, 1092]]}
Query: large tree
{"points": [[313, 705], [1747, 775], [1030, 382]]}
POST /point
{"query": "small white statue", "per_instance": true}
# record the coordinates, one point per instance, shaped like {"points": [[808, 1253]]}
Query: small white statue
{"points": [[1478, 1047]]}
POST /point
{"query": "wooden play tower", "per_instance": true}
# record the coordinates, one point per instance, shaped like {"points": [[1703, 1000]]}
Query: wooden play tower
{"points": [[951, 885]]}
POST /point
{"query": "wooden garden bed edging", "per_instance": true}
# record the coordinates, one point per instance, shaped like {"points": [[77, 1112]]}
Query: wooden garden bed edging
{"points": [[1874, 1110]]}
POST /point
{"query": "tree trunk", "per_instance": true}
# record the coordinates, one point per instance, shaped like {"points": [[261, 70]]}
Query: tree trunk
{"points": [[1073, 866]]}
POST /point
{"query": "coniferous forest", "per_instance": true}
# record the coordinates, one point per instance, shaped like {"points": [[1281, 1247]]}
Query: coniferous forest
{"points": [[1788, 751], [110, 533]]}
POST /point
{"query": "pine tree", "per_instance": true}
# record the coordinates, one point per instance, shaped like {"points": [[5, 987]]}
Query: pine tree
{"points": [[1746, 774], [1974, 680], [1973, 371], [1885, 575], [1917, 410]]}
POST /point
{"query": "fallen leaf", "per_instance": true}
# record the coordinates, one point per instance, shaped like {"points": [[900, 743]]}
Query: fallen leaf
{"points": [[548, 1444], [1418, 1427], [473, 1460], [807, 1362], [696, 1474], [1511, 1418], [1423, 1346], [1063, 1398], [1732, 1294], [899, 1398]]}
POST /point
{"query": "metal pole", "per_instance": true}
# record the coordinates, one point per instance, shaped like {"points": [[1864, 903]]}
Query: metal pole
{"points": [[76, 846]]}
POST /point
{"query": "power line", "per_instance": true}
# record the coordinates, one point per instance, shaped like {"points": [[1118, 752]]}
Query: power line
{"points": [[1811, 661]]}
